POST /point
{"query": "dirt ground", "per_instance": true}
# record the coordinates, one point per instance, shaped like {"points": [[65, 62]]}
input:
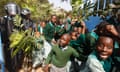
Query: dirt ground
{"points": [[39, 69]]}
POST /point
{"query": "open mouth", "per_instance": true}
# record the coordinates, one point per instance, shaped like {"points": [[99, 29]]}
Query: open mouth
{"points": [[103, 56]]}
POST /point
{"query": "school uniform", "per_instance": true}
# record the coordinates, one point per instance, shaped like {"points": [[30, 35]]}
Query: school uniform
{"points": [[94, 64], [68, 24], [59, 30], [85, 44], [90, 42], [59, 57], [68, 27], [46, 45], [49, 31], [116, 56], [40, 29]]}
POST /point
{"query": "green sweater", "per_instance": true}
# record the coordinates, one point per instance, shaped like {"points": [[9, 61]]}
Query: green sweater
{"points": [[49, 31], [84, 44], [58, 57]]}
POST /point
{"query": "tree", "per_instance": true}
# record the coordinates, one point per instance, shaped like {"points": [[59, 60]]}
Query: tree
{"points": [[82, 9], [39, 8]]}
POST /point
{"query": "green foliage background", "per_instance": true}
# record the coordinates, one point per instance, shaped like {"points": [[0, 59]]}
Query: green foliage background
{"points": [[39, 8]]}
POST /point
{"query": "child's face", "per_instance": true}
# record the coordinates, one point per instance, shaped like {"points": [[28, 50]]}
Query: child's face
{"points": [[75, 29], [64, 40], [61, 21], [79, 30], [43, 24], [54, 19], [105, 47], [74, 35]]}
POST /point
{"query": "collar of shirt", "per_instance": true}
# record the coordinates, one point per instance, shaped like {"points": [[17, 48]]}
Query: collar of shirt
{"points": [[41, 30], [65, 48]]}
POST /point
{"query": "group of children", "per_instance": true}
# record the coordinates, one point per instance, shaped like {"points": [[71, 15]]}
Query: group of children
{"points": [[94, 50], [67, 46]]}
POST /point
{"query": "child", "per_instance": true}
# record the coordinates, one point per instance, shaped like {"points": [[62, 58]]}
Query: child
{"points": [[79, 30], [100, 59], [60, 55], [59, 29], [73, 35], [38, 52], [41, 27]]}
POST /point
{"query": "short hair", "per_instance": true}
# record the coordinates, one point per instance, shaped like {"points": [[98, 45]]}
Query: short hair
{"points": [[68, 35], [109, 36], [53, 15]]}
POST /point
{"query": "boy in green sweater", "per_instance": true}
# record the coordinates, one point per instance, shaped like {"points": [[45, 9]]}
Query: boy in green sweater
{"points": [[60, 55]]}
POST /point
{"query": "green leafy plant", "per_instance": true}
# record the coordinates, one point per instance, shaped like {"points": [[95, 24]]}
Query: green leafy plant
{"points": [[22, 40], [82, 13], [40, 9]]}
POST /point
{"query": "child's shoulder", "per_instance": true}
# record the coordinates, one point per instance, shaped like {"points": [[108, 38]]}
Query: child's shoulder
{"points": [[70, 48], [55, 46], [92, 59], [93, 56]]}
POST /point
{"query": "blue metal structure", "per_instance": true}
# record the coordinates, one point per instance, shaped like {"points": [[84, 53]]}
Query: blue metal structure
{"points": [[94, 20]]}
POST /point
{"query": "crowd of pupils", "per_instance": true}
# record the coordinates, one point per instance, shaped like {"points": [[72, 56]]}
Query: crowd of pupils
{"points": [[65, 45], [74, 49]]}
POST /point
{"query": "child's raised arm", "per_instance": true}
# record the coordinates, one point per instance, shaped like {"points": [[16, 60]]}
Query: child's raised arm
{"points": [[83, 27], [114, 31]]}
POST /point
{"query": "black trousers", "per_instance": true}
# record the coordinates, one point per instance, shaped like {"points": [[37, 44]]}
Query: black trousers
{"points": [[8, 59]]}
